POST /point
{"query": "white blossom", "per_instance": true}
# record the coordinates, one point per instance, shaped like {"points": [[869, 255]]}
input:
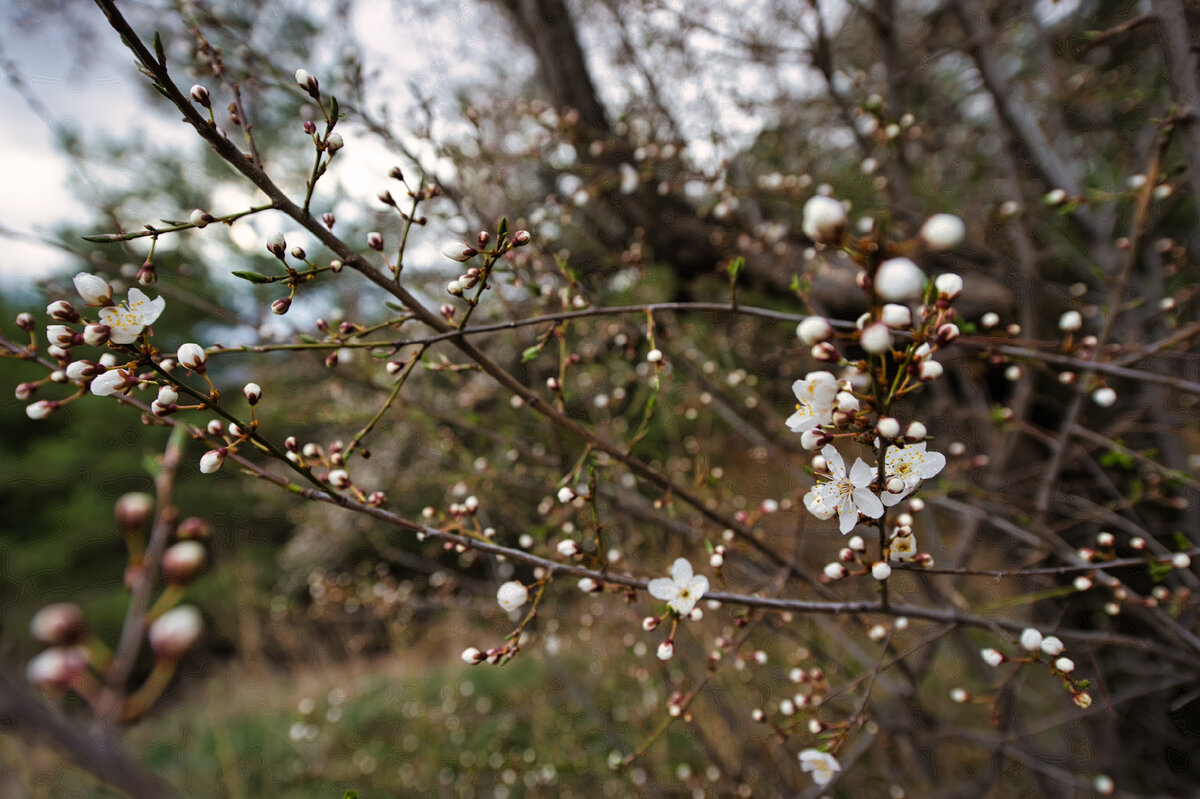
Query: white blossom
{"points": [[949, 286], [912, 464], [1070, 321], [512, 595], [681, 590], [127, 320], [1065, 665], [666, 650], [824, 766], [881, 570], [896, 316], [847, 495], [816, 393]]}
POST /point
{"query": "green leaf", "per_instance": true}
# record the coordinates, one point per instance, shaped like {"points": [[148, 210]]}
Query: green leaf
{"points": [[736, 268], [307, 339], [333, 110], [398, 308], [502, 229], [530, 353], [253, 277], [1159, 571], [351, 794], [159, 53]]}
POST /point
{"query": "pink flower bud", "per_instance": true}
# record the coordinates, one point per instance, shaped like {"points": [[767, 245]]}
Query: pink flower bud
{"points": [[26, 322], [60, 623], [57, 668], [521, 238], [132, 511], [147, 275], [375, 241], [173, 633], [182, 562]]}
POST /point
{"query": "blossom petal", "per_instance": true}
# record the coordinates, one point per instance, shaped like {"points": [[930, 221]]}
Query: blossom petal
{"points": [[833, 460], [681, 571], [847, 517], [861, 474], [819, 502], [868, 503], [663, 588], [933, 463], [699, 586]]}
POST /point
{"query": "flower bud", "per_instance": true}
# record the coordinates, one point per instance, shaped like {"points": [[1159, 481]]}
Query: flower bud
{"points": [[192, 356], [193, 528], [1052, 645], [334, 143], [814, 330], [835, 571], [521, 238], [457, 251], [943, 232], [899, 280], [40, 409], [1031, 639], [25, 390], [173, 633], [947, 333], [26, 322], [825, 352], [60, 335], [896, 316], [329, 219], [62, 311], [277, 245], [201, 97], [1105, 397], [212, 460], [375, 241], [654, 356], [472, 656], [147, 275], [512, 595], [182, 562], [1065, 665], [252, 392], [916, 431], [666, 650], [992, 657], [339, 478], [824, 219], [96, 335], [888, 427], [308, 83], [57, 668], [929, 370], [876, 338], [60, 623], [949, 288]]}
